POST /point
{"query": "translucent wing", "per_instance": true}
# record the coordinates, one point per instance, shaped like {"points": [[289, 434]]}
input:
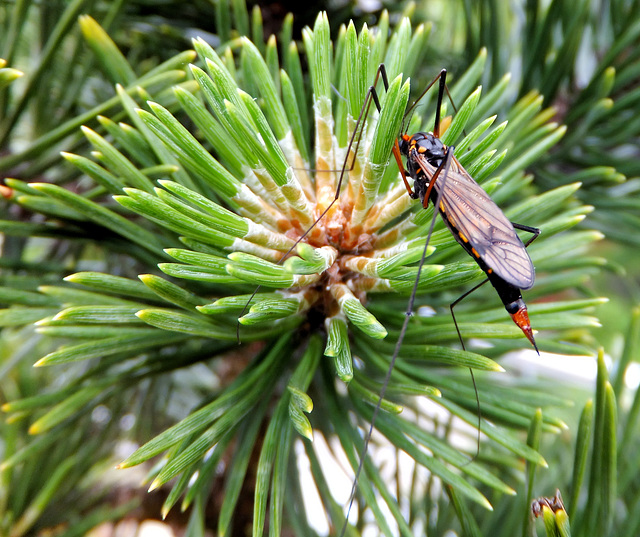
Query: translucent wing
{"points": [[469, 209]]}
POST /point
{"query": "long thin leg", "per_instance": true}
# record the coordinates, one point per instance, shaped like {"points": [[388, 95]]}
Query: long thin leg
{"points": [[371, 95], [443, 87], [442, 76], [456, 302], [534, 230], [396, 351], [473, 377], [381, 72]]}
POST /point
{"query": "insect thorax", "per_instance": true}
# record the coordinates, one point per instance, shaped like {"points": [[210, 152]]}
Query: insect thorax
{"points": [[420, 147], [427, 145]]}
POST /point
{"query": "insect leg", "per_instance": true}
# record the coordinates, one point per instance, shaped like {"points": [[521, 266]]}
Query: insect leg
{"points": [[534, 230], [441, 90], [380, 73], [473, 377], [442, 77], [408, 313], [403, 172], [371, 95], [456, 302]]}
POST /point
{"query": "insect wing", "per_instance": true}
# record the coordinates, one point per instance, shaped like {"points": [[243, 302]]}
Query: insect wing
{"points": [[473, 213]]}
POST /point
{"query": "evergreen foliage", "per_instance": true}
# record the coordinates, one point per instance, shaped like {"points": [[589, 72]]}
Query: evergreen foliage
{"points": [[148, 194]]}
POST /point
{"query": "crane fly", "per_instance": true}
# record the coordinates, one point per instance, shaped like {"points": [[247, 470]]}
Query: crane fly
{"points": [[473, 218]]}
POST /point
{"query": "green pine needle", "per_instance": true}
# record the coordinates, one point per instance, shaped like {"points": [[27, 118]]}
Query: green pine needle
{"points": [[201, 183]]}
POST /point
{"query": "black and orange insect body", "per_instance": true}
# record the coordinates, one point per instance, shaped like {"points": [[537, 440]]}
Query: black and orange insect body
{"points": [[471, 215]]}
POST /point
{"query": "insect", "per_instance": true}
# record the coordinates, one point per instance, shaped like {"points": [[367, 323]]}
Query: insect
{"points": [[469, 213], [473, 218]]}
